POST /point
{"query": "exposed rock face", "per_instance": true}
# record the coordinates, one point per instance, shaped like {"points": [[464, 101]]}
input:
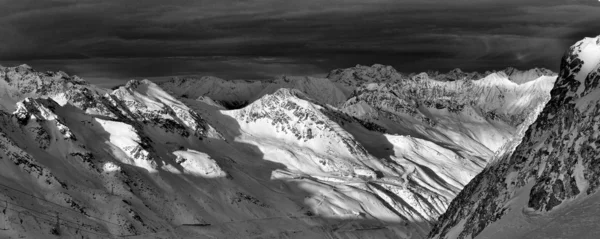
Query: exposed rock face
{"points": [[493, 100], [555, 162], [18, 83], [296, 118], [164, 110], [493, 97]]}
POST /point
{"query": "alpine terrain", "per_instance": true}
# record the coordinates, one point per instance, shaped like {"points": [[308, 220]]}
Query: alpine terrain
{"points": [[366, 152], [547, 188]]}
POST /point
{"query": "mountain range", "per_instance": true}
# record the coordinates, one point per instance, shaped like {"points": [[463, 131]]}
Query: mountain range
{"points": [[366, 152]]}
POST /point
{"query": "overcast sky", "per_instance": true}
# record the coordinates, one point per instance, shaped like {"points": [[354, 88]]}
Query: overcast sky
{"points": [[117, 39]]}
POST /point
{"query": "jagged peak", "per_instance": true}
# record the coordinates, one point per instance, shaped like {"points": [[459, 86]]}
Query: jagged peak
{"points": [[510, 70], [283, 95], [25, 69], [41, 108], [378, 72], [496, 78], [286, 93], [134, 84], [587, 52], [579, 72], [524, 76], [20, 82]]}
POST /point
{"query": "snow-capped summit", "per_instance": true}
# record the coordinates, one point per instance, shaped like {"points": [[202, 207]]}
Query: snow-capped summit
{"points": [[146, 102], [549, 185], [300, 124], [520, 77], [20, 82]]}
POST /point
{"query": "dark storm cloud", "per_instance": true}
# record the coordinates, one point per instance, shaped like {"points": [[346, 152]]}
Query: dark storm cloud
{"points": [[410, 35]]}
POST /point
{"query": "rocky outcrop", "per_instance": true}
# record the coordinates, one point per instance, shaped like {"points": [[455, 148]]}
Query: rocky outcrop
{"points": [[555, 162]]}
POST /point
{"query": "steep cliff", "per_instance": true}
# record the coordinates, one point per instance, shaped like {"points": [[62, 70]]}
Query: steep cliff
{"points": [[551, 180]]}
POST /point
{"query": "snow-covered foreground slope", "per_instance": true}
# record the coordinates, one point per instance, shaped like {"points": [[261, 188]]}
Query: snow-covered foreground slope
{"points": [[294, 162], [548, 187]]}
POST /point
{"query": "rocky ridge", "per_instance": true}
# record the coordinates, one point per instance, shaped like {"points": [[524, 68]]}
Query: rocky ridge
{"points": [[550, 169]]}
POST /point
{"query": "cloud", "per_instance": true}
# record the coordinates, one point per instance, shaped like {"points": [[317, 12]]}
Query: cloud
{"points": [[410, 35]]}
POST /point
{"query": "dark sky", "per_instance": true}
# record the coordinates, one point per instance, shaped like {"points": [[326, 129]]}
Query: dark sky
{"points": [[113, 40]]}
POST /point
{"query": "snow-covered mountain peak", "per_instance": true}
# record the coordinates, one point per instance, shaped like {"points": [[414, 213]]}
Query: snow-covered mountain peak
{"points": [[584, 64], [289, 116], [26, 74], [496, 79], [286, 93], [524, 76], [21, 82], [320, 89], [579, 74], [41, 109]]}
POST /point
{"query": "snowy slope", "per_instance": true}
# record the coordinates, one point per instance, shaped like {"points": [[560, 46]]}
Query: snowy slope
{"points": [[138, 162], [547, 186]]}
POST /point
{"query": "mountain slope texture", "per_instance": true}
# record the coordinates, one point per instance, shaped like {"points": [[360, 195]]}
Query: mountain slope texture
{"points": [[548, 187], [370, 153]]}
